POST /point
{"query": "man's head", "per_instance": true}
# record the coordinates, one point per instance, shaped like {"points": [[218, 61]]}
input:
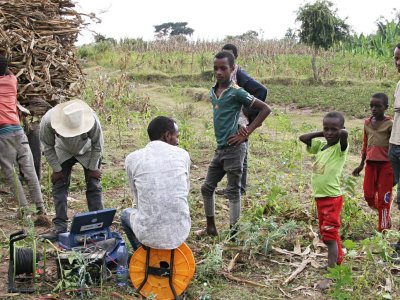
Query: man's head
{"points": [[231, 48], [378, 104], [333, 122], [397, 57], [224, 64], [72, 118], [3, 65], [164, 129]]}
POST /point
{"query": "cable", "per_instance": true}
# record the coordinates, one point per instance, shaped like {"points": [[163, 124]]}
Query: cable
{"points": [[23, 260]]}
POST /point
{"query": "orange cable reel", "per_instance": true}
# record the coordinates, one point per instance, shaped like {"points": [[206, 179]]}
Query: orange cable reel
{"points": [[183, 270]]}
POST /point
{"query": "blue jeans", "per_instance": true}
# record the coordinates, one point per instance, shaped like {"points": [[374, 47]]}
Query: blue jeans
{"points": [[60, 193], [126, 226], [394, 157]]}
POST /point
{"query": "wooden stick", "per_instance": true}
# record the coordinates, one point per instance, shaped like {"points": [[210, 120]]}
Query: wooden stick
{"points": [[232, 262], [286, 295], [234, 278], [297, 271]]}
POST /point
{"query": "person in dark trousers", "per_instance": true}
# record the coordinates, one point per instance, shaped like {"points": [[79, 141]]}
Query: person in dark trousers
{"points": [[227, 99], [71, 133], [14, 149], [248, 115], [394, 142]]}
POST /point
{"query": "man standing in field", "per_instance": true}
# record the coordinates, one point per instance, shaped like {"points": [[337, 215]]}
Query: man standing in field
{"points": [[248, 114], [227, 99], [14, 148], [394, 146], [70, 133]]}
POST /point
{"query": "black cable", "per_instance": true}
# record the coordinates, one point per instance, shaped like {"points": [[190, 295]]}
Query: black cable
{"points": [[23, 261]]}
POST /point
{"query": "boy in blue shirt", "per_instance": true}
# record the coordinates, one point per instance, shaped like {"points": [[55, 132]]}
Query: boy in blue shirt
{"points": [[227, 99]]}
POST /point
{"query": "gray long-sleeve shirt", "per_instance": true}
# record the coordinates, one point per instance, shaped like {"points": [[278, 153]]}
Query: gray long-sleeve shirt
{"points": [[86, 148]]}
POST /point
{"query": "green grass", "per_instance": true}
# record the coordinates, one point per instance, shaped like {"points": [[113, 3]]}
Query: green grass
{"points": [[278, 211], [351, 99]]}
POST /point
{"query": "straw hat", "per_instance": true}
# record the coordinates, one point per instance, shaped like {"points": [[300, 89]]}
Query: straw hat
{"points": [[72, 118]]}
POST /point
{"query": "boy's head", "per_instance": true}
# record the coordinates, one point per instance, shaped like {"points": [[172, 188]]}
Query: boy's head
{"points": [[224, 64], [231, 48], [378, 104], [333, 122], [397, 57], [3, 65], [164, 129]]}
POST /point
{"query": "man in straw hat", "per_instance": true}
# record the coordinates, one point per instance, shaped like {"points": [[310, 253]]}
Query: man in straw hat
{"points": [[70, 132]]}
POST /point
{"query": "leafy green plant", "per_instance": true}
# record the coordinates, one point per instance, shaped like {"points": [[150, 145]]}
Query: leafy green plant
{"points": [[342, 281], [211, 266]]}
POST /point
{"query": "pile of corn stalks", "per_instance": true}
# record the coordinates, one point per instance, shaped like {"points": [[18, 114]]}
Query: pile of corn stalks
{"points": [[38, 37]]}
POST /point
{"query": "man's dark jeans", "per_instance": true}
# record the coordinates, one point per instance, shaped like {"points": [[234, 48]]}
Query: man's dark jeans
{"points": [[126, 226], [60, 194], [243, 183], [394, 157], [227, 161]]}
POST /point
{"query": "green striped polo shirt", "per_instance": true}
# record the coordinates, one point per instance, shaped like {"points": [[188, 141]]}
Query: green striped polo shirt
{"points": [[226, 110]]}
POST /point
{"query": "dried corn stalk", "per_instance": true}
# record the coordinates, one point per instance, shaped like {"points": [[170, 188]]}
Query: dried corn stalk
{"points": [[38, 36]]}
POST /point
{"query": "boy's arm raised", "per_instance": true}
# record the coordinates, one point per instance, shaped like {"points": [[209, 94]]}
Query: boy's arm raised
{"points": [[343, 139], [306, 138]]}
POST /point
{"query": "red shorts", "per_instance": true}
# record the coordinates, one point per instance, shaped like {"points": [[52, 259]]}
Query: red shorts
{"points": [[329, 209]]}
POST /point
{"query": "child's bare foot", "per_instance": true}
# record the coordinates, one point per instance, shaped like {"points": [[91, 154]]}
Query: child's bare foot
{"points": [[323, 284]]}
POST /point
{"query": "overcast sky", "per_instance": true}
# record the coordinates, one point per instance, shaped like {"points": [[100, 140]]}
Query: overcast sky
{"points": [[215, 19]]}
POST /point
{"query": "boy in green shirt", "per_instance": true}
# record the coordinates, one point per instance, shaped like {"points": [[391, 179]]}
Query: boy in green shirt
{"points": [[227, 99], [330, 156]]}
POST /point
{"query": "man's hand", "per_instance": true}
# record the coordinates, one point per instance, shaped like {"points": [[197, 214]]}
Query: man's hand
{"points": [[95, 174], [243, 131], [358, 170], [236, 139], [57, 176]]}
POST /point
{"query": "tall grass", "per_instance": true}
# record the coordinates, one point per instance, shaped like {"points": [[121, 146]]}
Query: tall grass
{"points": [[262, 59]]}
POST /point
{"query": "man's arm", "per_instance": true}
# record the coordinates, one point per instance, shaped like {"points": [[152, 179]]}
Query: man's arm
{"points": [[47, 138], [129, 165], [254, 88], [265, 110], [96, 137], [356, 171], [251, 85], [307, 138]]}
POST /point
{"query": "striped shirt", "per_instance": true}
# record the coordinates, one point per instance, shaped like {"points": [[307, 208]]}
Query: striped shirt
{"points": [[226, 111], [86, 148]]}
